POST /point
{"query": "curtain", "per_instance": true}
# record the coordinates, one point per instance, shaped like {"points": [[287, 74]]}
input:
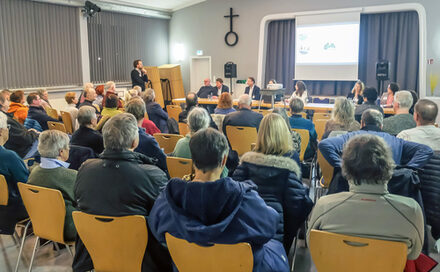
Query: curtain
{"points": [[116, 40], [39, 45]]}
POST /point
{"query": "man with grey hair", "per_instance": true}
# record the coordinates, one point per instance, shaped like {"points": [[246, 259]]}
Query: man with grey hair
{"points": [[369, 210], [53, 173], [403, 152], [155, 111], [402, 119], [244, 117], [86, 135], [147, 143], [90, 96], [120, 183], [109, 89]]}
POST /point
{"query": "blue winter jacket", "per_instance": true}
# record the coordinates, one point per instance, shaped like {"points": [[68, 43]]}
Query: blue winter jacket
{"points": [[150, 148], [222, 211], [158, 116]]}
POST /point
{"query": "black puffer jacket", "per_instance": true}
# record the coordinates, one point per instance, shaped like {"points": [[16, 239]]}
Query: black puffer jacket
{"points": [[20, 139], [430, 187], [120, 183], [279, 186]]}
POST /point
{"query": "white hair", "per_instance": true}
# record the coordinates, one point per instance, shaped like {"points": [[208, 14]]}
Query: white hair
{"points": [[120, 131], [149, 95], [404, 98], [198, 119], [245, 99], [51, 142], [86, 114], [109, 85], [3, 120]]}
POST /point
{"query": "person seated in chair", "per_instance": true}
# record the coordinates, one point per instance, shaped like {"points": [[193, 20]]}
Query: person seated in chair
{"points": [[251, 89], [53, 173], [370, 96], [37, 112], [220, 87], [244, 117], [210, 209], [17, 106], [155, 112], [369, 210], [401, 119], [86, 135], [90, 96], [192, 102]]}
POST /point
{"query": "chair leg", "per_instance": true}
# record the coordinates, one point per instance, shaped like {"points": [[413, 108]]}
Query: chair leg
{"points": [[69, 250], [22, 244], [33, 254]]}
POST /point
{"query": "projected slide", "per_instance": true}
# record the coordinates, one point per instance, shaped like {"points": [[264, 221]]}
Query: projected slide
{"points": [[334, 44]]}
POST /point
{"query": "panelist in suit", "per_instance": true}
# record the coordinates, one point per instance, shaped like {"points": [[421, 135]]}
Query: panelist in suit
{"points": [[206, 89], [252, 90], [138, 75], [220, 87]]}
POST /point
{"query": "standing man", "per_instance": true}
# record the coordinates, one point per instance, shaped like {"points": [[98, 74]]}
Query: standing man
{"points": [[252, 90], [220, 87], [138, 75]]}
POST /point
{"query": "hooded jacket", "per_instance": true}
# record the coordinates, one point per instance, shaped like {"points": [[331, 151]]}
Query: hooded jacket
{"points": [[279, 186], [19, 110], [222, 211], [20, 139]]}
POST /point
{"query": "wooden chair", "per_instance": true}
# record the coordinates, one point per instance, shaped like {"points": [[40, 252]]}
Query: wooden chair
{"points": [[241, 138], [305, 138], [146, 116], [327, 172], [47, 211], [115, 244], [321, 115], [179, 167], [52, 113], [320, 127], [167, 141], [67, 121], [263, 112], [4, 191], [56, 126], [189, 257], [183, 129], [336, 252], [173, 111]]}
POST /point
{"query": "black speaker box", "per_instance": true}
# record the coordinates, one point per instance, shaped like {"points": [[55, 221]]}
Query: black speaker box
{"points": [[230, 70], [383, 70]]}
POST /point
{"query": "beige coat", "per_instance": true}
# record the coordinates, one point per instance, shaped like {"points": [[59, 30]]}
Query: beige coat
{"points": [[371, 211]]}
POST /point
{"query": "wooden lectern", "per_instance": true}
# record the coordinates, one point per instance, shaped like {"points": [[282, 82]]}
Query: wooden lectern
{"points": [[154, 77], [171, 75]]}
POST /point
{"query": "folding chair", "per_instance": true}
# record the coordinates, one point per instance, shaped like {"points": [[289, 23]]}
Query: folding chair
{"points": [[52, 112], [173, 111], [241, 138], [67, 121], [320, 127], [56, 126], [183, 129], [167, 141], [179, 167], [305, 138]]}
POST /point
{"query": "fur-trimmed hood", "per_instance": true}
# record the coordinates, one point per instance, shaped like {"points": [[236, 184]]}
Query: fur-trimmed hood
{"points": [[271, 161]]}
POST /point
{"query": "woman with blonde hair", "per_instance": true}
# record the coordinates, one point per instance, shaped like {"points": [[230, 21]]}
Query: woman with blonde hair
{"points": [[357, 92], [278, 177], [224, 104], [342, 117]]}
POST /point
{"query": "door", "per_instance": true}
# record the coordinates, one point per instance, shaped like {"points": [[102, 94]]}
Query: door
{"points": [[200, 68]]}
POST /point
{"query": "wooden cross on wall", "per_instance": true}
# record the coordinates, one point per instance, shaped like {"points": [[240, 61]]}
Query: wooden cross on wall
{"points": [[231, 31]]}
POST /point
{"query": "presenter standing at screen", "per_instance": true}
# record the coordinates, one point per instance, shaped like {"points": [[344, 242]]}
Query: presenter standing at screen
{"points": [[138, 75], [300, 92]]}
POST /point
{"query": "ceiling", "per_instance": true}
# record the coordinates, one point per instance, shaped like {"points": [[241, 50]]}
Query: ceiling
{"points": [[162, 5]]}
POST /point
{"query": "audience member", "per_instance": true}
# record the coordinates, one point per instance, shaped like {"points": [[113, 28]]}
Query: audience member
{"points": [[6, 93], [356, 93], [90, 96], [198, 119], [17, 106], [300, 92], [224, 104], [86, 135], [387, 98], [415, 99], [296, 138], [44, 96], [206, 90], [367, 164], [82, 95], [191, 100], [134, 181], [110, 88], [252, 90], [425, 113], [150, 127], [297, 121], [37, 112], [273, 167], [370, 96], [147, 143], [14, 170], [155, 112], [24, 142], [404, 153], [244, 117], [111, 106], [53, 173], [217, 210], [220, 87], [132, 93], [342, 117], [99, 96], [402, 119], [71, 101]]}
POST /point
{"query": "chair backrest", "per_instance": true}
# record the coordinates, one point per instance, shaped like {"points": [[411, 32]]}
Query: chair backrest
{"points": [[67, 120], [179, 167], [327, 170], [321, 115], [173, 111], [263, 112], [183, 128], [336, 252], [4, 191], [167, 141], [114, 243], [241, 138], [305, 138], [146, 116], [56, 126], [189, 257], [320, 127], [46, 210], [52, 112]]}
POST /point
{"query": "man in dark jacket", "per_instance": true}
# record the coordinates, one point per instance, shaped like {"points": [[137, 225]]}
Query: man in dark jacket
{"points": [[20, 140], [37, 112], [86, 135], [191, 102], [139, 75], [220, 87], [90, 96], [155, 112], [206, 90], [370, 97], [244, 116], [252, 90], [120, 183], [211, 209]]}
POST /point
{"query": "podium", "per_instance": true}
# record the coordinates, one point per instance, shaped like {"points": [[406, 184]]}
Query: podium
{"points": [[154, 77], [272, 94], [172, 77]]}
